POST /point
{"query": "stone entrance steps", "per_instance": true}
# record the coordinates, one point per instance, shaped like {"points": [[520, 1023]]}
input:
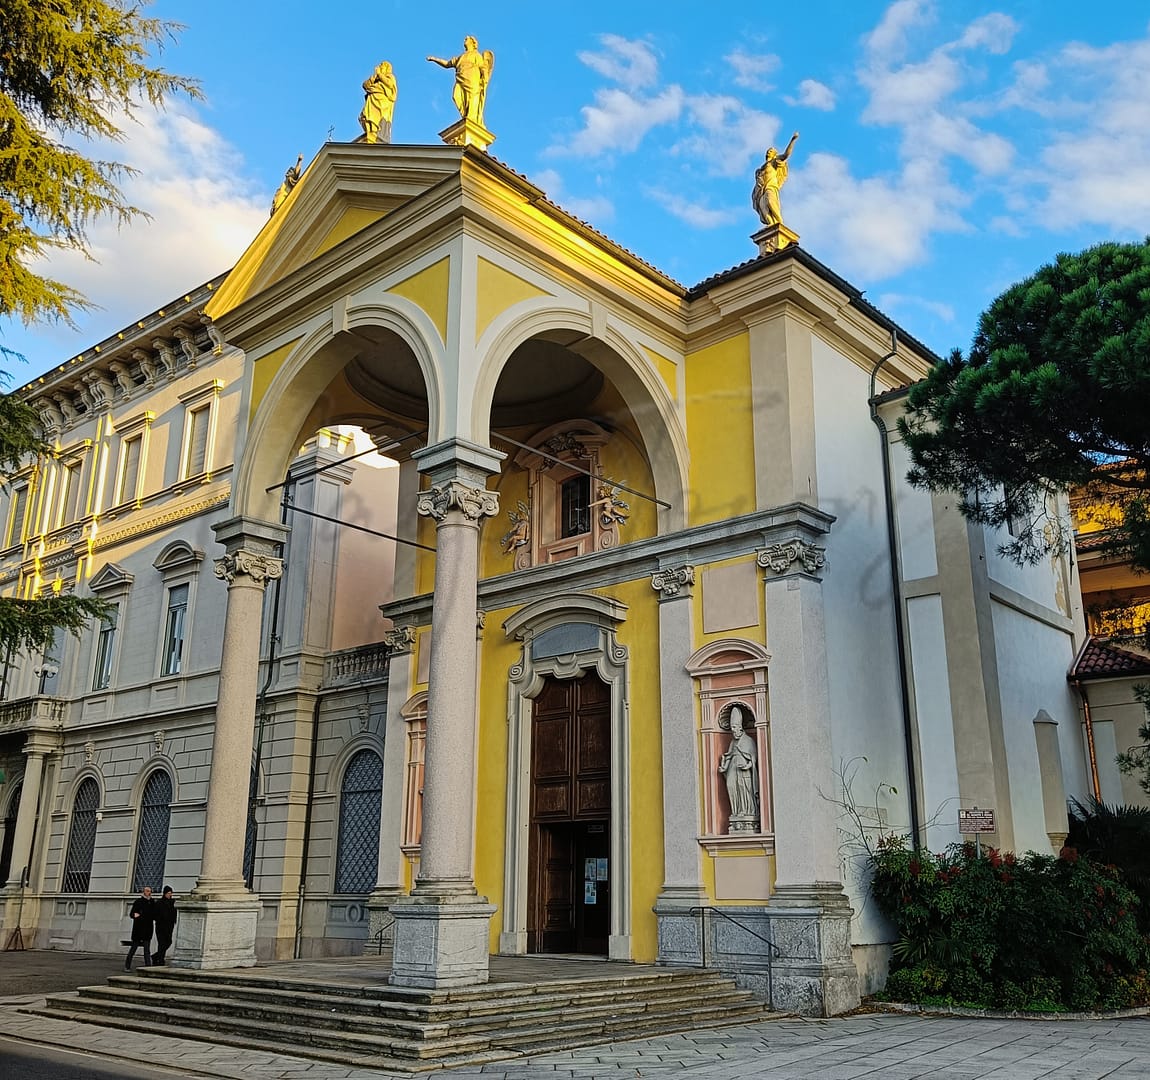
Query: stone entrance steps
{"points": [[403, 1029]]}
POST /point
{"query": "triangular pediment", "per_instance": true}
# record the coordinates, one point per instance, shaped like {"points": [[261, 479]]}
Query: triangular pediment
{"points": [[110, 578], [346, 188]]}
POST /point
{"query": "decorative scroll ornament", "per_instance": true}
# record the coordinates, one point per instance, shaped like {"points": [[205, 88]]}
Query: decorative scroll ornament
{"points": [[260, 568], [399, 638], [472, 502], [779, 557], [672, 582]]}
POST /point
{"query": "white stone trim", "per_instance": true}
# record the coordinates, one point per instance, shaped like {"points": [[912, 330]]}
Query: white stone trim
{"points": [[525, 681]]}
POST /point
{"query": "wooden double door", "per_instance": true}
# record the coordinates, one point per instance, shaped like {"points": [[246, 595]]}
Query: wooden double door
{"points": [[569, 869]]}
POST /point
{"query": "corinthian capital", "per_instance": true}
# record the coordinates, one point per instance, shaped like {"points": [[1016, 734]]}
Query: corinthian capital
{"points": [[472, 502], [259, 568], [780, 557]]}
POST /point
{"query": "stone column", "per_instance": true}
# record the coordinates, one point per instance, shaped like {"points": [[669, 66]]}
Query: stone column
{"points": [[390, 883], [441, 930], [36, 750], [678, 927], [217, 926], [814, 973]]}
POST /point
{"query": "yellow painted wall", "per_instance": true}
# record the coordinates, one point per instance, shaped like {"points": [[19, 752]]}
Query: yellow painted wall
{"points": [[512, 487], [264, 369], [668, 371], [429, 290], [351, 221], [496, 290], [720, 432]]}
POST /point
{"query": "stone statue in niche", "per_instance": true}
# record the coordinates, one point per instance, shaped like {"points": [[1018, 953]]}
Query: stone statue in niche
{"points": [[739, 767]]}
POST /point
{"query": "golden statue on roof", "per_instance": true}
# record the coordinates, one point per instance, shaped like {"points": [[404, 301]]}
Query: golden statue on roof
{"points": [[769, 177], [472, 74], [379, 93]]}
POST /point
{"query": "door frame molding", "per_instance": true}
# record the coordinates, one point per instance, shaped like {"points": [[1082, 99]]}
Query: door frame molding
{"points": [[594, 620]]}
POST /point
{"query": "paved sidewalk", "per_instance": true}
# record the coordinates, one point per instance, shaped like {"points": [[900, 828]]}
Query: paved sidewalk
{"points": [[886, 1046]]}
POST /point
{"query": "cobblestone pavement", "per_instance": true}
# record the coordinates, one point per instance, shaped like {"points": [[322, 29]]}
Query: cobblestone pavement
{"points": [[886, 1046]]}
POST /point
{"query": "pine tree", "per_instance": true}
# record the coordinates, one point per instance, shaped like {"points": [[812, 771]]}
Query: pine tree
{"points": [[1053, 394], [69, 69]]}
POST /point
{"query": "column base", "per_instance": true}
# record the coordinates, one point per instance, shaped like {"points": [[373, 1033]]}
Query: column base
{"points": [[813, 973], [216, 933], [680, 929], [440, 943]]}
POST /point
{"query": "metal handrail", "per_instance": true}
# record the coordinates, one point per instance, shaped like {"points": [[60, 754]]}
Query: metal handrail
{"points": [[702, 910]]}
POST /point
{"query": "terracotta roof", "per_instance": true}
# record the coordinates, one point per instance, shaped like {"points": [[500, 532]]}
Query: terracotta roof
{"points": [[1099, 659], [1093, 541]]}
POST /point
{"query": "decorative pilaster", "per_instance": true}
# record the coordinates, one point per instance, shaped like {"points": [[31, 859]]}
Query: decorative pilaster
{"points": [[810, 915], [217, 926], [36, 750], [441, 930], [678, 928]]}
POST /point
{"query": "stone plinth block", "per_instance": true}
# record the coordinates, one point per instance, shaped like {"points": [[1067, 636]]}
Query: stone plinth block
{"points": [[216, 934], [774, 238], [680, 931], [440, 945], [467, 133]]}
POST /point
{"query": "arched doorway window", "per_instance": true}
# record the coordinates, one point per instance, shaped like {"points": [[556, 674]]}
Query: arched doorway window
{"points": [[82, 839], [360, 800], [152, 839], [9, 834]]}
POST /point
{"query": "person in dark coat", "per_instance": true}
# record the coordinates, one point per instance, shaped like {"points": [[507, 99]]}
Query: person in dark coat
{"points": [[165, 924], [143, 915]]}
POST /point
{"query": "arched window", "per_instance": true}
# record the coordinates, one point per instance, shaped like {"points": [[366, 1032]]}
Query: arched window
{"points": [[152, 840], [360, 799], [82, 839], [9, 834]]}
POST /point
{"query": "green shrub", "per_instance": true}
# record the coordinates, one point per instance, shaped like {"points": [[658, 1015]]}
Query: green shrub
{"points": [[994, 930]]}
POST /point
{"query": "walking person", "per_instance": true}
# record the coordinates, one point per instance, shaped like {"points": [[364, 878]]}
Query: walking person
{"points": [[143, 915], [165, 925]]}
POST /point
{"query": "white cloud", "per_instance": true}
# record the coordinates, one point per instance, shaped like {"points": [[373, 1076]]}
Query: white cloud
{"points": [[752, 69], [597, 209], [814, 95], [727, 133], [889, 38], [694, 214], [994, 33], [619, 121], [203, 214], [894, 301], [874, 227], [631, 64]]}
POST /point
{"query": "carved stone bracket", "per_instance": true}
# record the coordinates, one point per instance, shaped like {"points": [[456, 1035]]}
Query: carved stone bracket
{"points": [[474, 503], [671, 582], [158, 740], [780, 557], [400, 638], [260, 568]]}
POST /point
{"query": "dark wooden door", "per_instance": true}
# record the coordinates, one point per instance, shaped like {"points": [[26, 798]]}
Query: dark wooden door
{"points": [[569, 843]]}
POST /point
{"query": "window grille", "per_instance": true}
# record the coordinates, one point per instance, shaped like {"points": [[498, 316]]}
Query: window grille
{"points": [[361, 796], [575, 506], [152, 841], [82, 840]]}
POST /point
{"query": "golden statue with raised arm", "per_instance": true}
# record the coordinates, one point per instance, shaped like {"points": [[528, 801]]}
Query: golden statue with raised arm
{"points": [[769, 177], [472, 74], [379, 93]]}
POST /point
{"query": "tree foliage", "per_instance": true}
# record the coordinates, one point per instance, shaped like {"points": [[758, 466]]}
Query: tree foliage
{"points": [[68, 69], [1136, 760], [75, 68], [1054, 393]]}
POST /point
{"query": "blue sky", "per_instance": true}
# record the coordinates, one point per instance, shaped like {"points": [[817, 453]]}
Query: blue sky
{"points": [[946, 150]]}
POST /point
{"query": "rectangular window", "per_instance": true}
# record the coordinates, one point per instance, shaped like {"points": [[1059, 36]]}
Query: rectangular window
{"points": [[174, 631], [70, 493], [16, 515], [196, 444], [105, 645], [575, 506], [128, 481]]}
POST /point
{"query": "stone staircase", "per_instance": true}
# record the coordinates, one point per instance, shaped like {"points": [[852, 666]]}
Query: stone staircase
{"points": [[403, 1029]]}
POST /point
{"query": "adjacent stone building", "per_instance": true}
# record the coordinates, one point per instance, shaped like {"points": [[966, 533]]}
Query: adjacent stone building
{"points": [[651, 586]]}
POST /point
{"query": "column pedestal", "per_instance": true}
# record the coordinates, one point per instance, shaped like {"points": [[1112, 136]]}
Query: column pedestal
{"points": [[441, 944], [216, 933]]}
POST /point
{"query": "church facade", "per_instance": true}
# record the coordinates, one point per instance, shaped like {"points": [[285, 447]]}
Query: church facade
{"points": [[636, 619]]}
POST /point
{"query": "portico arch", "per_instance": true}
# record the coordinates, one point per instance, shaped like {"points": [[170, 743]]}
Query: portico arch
{"points": [[621, 362], [282, 415]]}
